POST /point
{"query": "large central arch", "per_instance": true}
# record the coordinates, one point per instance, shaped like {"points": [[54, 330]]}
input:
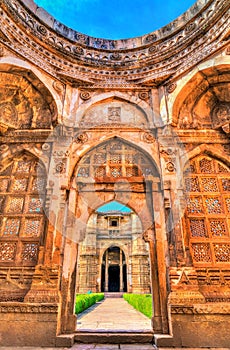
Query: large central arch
{"points": [[116, 170]]}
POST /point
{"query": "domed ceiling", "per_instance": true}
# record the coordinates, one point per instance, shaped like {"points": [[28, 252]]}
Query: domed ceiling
{"points": [[115, 19]]}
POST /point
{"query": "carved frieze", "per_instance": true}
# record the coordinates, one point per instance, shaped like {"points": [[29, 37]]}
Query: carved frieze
{"points": [[15, 307], [22, 105], [221, 117]]}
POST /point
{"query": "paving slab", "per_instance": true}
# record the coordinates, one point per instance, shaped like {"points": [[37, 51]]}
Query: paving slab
{"points": [[113, 314]]}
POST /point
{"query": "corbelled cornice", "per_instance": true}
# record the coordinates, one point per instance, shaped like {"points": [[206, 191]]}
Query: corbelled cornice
{"points": [[144, 61]]}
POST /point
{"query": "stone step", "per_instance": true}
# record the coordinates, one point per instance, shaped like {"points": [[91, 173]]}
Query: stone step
{"points": [[113, 337], [113, 294]]}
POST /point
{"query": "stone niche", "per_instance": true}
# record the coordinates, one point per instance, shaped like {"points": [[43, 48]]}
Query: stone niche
{"points": [[203, 103], [114, 112], [25, 102]]}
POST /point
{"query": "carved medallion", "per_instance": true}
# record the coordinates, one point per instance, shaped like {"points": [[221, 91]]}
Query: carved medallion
{"points": [[8, 115], [148, 138], [114, 114], [171, 87], [143, 95], [150, 37], [85, 95], [221, 117], [81, 138]]}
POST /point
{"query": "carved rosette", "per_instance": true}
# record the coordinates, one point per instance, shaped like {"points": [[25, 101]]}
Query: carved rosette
{"points": [[148, 138], [150, 38], [228, 50], [143, 95], [58, 86], [153, 49], [81, 138], [170, 167], [85, 95], [78, 50], [171, 87], [42, 30], [190, 27], [115, 56]]}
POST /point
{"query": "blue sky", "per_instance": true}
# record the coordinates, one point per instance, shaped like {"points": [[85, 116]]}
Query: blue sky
{"points": [[113, 206], [115, 19]]}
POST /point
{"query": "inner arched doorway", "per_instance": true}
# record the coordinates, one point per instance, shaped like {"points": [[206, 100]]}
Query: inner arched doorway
{"points": [[115, 170], [113, 257], [114, 271]]}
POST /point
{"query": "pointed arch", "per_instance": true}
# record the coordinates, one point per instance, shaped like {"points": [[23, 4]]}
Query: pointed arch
{"points": [[116, 96], [211, 150], [132, 149]]}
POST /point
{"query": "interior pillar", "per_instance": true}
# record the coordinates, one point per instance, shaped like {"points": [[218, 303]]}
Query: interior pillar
{"points": [[157, 318], [106, 271], [121, 272]]}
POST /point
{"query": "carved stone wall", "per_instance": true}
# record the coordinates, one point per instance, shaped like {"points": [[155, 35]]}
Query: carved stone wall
{"points": [[86, 121]]}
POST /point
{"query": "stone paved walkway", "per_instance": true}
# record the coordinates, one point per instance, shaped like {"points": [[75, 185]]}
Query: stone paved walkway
{"points": [[108, 347], [113, 314]]}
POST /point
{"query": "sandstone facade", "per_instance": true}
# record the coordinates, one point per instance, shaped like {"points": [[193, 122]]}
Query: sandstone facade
{"points": [[144, 122]]}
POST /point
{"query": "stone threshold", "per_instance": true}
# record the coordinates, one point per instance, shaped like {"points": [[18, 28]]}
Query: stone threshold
{"points": [[114, 337]]}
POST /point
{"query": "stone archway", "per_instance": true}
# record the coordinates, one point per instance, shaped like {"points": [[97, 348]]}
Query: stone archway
{"points": [[115, 170], [114, 278]]}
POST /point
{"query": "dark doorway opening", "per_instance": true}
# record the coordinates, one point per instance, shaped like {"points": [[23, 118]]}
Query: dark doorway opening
{"points": [[114, 278], [114, 271]]}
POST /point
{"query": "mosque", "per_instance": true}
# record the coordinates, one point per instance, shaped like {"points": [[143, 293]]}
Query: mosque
{"points": [[115, 174]]}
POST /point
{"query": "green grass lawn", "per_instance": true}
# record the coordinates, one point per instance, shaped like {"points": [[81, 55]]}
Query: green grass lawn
{"points": [[141, 302], [84, 301]]}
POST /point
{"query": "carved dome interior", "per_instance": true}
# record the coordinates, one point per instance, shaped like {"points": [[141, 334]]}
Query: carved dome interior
{"points": [[204, 102], [25, 101]]}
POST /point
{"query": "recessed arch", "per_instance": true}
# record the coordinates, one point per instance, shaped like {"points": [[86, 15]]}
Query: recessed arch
{"points": [[198, 95], [208, 150], [109, 98], [33, 99], [110, 231], [130, 162]]}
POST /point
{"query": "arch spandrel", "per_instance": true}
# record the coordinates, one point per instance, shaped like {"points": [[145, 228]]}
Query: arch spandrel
{"points": [[25, 101], [202, 98], [141, 111], [114, 112]]}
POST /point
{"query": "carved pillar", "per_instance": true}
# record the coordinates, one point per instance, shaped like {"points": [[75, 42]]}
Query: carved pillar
{"points": [[148, 236], [156, 107], [121, 272], [69, 253], [160, 249], [106, 271]]}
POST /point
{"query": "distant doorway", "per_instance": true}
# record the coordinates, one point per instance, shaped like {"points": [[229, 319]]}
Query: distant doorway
{"points": [[114, 271], [114, 278]]}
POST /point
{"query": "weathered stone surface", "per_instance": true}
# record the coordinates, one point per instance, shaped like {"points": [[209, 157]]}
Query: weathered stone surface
{"points": [[86, 121]]}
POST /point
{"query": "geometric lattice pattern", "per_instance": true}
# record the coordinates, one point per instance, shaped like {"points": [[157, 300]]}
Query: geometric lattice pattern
{"points": [[32, 227], [7, 251], [197, 228], [114, 159], [30, 252], [12, 226], [222, 252], [201, 252], [208, 210], [218, 227], [22, 189]]}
